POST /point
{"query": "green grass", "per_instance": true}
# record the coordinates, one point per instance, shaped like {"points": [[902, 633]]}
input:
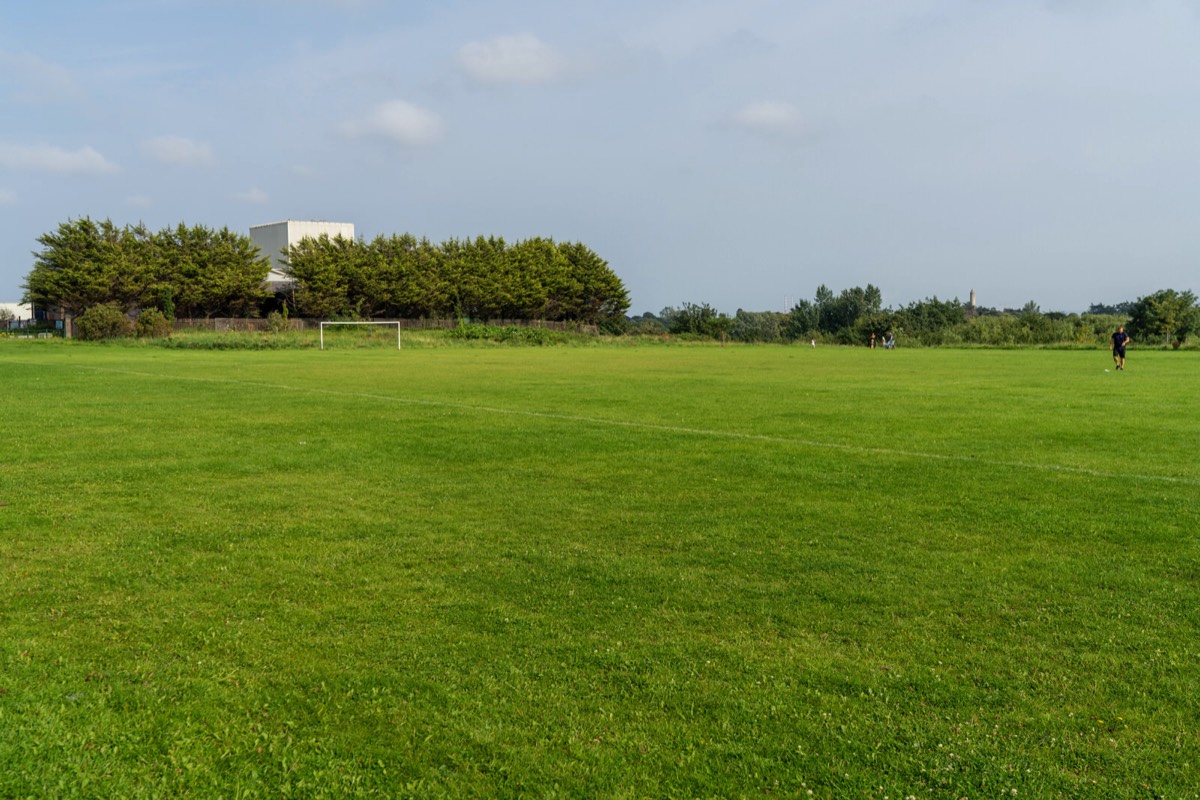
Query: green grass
{"points": [[603, 571]]}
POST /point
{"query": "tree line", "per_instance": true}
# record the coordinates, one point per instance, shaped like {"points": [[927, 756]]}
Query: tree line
{"points": [[194, 271], [189, 271], [853, 315], [400, 276]]}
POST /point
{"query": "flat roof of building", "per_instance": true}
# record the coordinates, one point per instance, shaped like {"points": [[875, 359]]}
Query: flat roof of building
{"points": [[286, 221]]}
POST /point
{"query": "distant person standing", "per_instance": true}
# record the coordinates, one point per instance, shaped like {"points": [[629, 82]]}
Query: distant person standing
{"points": [[1119, 340]]}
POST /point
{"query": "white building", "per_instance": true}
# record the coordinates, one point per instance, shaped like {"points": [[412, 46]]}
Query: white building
{"points": [[13, 314], [275, 238]]}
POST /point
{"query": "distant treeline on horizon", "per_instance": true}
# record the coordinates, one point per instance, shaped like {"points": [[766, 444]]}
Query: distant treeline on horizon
{"points": [[197, 272], [857, 316]]}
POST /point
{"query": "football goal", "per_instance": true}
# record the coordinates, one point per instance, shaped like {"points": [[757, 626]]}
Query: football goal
{"points": [[393, 322]]}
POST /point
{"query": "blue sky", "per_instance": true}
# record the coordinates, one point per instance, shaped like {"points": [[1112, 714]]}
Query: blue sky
{"points": [[734, 153]]}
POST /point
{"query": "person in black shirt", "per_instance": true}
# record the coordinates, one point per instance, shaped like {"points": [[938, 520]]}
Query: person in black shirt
{"points": [[1119, 340]]}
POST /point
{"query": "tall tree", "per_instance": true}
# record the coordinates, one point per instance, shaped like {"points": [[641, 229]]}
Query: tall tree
{"points": [[319, 268], [601, 296], [838, 315], [930, 315], [210, 273], [535, 267], [477, 271], [1166, 314], [432, 289], [83, 264], [415, 273], [803, 321]]}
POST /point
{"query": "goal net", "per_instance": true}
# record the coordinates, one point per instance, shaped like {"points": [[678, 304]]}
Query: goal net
{"points": [[393, 322]]}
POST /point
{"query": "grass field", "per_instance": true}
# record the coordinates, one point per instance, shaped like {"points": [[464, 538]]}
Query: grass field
{"points": [[598, 572]]}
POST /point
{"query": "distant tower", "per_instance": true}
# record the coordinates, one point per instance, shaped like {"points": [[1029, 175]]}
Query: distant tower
{"points": [[972, 301]]}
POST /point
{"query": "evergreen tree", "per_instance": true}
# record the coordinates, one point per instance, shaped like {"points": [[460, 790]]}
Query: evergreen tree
{"points": [[84, 264], [601, 297], [322, 276]]}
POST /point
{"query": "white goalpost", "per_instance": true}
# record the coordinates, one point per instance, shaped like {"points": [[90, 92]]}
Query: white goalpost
{"points": [[373, 322]]}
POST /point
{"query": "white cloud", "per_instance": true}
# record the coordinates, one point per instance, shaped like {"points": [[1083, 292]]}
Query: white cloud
{"points": [[771, 118], [8, 197], [519, 59], [35, 79], [253, 195], [55, 160], [398, 121], [178, 151]]}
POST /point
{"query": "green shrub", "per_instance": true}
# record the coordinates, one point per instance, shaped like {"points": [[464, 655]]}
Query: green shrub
{"points": [[509, 334], [756, 326], [646, 327], [277, 322], [616, 326], [153, 324], [103, 322]]}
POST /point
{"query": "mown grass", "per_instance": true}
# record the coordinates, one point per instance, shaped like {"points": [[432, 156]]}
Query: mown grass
{"points": [[622, 572]]}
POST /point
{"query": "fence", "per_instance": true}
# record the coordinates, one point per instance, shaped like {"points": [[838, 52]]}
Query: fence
{"points": [[248, 324], [30, 329]]}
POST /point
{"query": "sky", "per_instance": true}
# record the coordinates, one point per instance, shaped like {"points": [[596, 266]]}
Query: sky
{"points": [[738, 153]]}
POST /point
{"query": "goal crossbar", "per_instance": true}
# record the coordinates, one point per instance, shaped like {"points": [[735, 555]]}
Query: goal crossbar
{"points": [[372, 322]]}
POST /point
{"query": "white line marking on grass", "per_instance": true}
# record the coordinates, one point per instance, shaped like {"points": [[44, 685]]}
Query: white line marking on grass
{"points": [[653, 426]]}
